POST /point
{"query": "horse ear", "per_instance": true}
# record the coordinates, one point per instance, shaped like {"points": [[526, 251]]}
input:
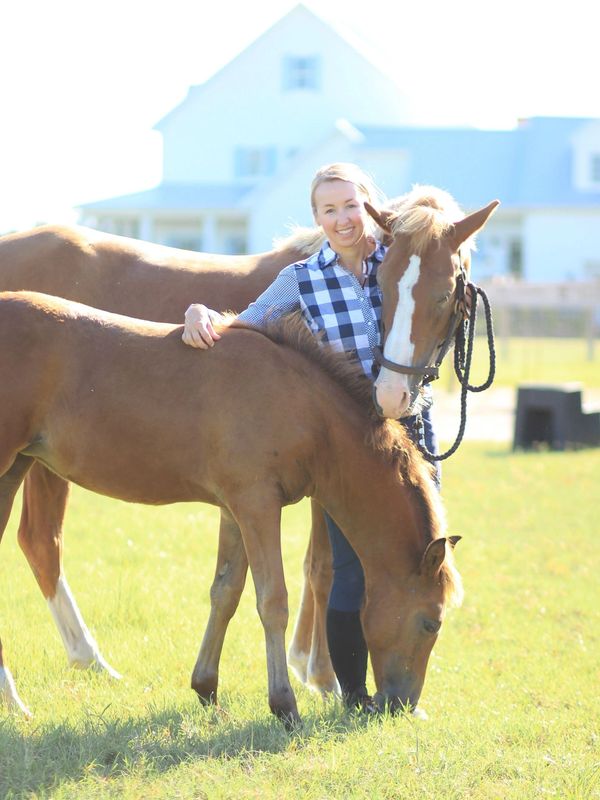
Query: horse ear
{"points": [[454, 540], [466, 227], [382, 218], [433, 558]]}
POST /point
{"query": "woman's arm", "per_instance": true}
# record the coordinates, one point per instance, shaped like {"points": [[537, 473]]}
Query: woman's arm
{"points": [[281, 297]]}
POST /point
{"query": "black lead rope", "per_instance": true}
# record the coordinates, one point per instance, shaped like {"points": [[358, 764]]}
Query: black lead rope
{"points": [[462, 366]]}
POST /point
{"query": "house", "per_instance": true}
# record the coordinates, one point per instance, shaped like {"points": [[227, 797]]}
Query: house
{"points": [[241, 149]]}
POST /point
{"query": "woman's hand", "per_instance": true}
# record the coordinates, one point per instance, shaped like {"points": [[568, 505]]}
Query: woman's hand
{"points": [[198, 328]]}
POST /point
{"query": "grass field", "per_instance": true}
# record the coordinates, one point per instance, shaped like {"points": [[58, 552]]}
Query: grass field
{"points": [[511, 691]]}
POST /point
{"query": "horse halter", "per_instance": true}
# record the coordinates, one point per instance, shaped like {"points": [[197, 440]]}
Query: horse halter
{"points": [[432, 372]]}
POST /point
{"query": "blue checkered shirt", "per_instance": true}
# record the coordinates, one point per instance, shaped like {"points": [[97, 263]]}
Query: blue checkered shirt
{"points": [[331, 299]]}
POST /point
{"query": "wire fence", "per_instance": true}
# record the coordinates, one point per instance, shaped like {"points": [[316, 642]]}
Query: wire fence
{"points": [[545, 310]]}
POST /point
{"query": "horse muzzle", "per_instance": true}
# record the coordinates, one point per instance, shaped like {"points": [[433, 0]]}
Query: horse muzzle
{"points": [[400, 697], [393, 400]]}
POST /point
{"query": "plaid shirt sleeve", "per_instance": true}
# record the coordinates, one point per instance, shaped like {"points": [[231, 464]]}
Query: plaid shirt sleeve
{"points": [[280, 298]]}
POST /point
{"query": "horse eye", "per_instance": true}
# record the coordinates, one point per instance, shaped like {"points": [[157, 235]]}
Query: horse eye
{"points": [[443, 300], [432, 625]]}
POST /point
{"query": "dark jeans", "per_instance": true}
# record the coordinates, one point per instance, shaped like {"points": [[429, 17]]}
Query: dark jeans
{"points": [[348, 585]]}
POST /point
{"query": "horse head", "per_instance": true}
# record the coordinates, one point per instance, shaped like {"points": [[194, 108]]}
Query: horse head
{"points": [[400, 651], [422, 277]]}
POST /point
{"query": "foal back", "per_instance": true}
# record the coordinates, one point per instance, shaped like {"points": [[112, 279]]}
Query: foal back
{"points": [[124, 408]]}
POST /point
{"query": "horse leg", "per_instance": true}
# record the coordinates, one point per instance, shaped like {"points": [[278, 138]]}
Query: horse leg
{"points": [[45, 497], [308, 654], [225, 593], [9, 484], [320, 675], [300, 645], [259, 519]]}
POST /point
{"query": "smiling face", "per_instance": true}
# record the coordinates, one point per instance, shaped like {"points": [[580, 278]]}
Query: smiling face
{"points": [[339, 210]]}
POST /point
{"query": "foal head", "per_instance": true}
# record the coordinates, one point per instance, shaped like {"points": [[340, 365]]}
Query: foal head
{"points": [[420, 278], [400, 649]]}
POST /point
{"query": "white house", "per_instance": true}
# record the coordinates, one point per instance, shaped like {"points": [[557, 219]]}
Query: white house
{"points": [[241, 149]]}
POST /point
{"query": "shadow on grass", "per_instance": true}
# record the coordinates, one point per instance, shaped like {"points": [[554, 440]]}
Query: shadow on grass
{"points": [[39, 760]]}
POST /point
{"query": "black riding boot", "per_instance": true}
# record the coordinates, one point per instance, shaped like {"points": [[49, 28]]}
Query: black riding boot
{"points": [[348, 651]]}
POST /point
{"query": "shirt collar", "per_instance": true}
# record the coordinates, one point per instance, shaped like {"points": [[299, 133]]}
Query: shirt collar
{"points": [[326, 256]]}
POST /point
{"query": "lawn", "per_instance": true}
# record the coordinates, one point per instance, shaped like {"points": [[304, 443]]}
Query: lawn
{"points": [[511, 690], [523, 360]]}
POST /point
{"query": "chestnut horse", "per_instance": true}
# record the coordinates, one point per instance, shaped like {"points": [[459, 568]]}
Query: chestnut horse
{"points": [[137, 279], [112, 429]]}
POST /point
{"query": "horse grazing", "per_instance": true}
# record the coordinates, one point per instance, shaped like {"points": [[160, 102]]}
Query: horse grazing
{"points": [[123, 408], [137, 279]]}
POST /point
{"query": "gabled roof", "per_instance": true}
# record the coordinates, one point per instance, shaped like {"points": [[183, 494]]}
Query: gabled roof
{"points": [[300, 10], [174, 197], [531, 165]]}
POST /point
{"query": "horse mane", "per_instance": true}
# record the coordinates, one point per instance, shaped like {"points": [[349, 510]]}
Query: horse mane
{"points": [[387, 437], [304, 239], [423, 214]]}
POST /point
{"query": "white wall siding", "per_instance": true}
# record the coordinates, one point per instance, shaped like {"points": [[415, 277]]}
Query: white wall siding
{"points": [[559, 244], [286, 201]]}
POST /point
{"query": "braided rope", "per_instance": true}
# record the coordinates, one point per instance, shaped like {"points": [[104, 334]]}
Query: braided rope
{"points": [[462, 366]]}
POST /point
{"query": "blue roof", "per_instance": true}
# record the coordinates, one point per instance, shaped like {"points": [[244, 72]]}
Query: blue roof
{"points": [[528, 166], [174, 197]]}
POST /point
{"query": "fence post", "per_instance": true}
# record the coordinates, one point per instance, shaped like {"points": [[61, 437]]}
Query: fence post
{"points": [[589, 331]]}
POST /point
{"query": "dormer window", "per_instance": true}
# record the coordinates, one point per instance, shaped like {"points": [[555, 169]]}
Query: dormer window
{"points": [[253, 162], [301, 72]]}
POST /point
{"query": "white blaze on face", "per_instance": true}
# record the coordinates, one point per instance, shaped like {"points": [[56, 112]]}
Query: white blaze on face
{"points": [[392, 388], [398, 347], [81, 647]]}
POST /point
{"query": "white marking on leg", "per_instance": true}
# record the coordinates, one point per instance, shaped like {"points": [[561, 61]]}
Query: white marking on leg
{"points": [[8, 692], [298, 662], [81, 647]]}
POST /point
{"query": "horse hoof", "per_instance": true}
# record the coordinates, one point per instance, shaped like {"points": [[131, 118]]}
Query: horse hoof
{"points": [[97, 664], [207, 696], [292, 721]]}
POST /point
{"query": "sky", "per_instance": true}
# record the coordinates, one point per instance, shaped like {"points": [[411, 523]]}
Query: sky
{"points": [[82, 83]]}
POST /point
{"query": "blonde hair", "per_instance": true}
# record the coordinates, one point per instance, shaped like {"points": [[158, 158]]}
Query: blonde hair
{"points": [[345, 171]]}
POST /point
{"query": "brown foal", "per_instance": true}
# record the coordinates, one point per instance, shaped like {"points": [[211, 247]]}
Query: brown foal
{"points": [[92, 396]]}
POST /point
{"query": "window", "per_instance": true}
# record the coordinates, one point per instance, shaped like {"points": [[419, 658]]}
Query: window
{"points": [[126, 227], [255, 161], [595, 167], [185, 234], [232, 236], [301, 72], [515, 258]]}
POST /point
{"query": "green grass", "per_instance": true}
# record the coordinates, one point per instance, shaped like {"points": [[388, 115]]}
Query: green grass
{"points": [[512, 686], [531, 360]]}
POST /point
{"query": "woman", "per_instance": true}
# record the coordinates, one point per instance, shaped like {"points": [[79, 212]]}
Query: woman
{"points": [[337, 293]]}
